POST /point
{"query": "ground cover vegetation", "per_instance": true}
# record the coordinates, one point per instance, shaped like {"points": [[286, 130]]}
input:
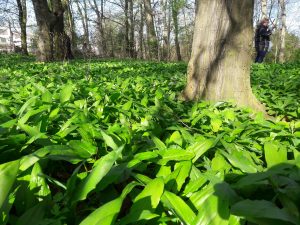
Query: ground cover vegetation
{"points": [[108, 142]]}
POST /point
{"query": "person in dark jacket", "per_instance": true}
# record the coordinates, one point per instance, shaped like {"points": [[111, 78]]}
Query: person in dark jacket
{"points": [[262, 40]]}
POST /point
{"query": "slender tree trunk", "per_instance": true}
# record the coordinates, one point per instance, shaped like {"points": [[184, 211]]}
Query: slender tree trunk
{"points": [[166, 35], [219, 68], [131, 31], [11, 38], [151, 34], [100, 18], [282, 31], [127, 47], [23, 22], [175, 9], [83, 14], [264, 8], [71, 25], [141, 33]]}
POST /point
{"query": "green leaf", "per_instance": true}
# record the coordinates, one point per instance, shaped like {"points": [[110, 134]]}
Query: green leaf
{"points": [[254, 210], [8, 174], [102, 167], [82, 148], [216, 124], [105, 215], [274, 154], [214, 210], [33, 215], [145, 202], [176, 138], [174, 155], [109, 140], [158, 143], [66, 93], [199, 148], [179, 207]]}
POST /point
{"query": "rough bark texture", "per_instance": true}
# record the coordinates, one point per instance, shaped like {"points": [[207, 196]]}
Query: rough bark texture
{"points": [[282, 4], [53, 43], [175, 9], [23, 22], [219, 68], [264, 8], [166, 31], [151, 34], [131, 31], [141, 33]]}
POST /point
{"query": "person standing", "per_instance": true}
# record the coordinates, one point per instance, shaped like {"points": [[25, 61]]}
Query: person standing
{"points": [[262, 40]]}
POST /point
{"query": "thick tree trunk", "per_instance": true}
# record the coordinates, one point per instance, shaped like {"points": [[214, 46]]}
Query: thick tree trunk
{"points": [[71, 25], [23, 22], [53, 43], [219, 68], [282, 4], [176, 29], [151, 34], [264, 8]]}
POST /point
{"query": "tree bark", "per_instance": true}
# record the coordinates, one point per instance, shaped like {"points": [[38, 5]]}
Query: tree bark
{"points": [[151, 34], [264, 8], [282, 4], [175, 9], [131, 31], [23, 22], [141, 33], [219, 68], [166, 30], [53, 43]]}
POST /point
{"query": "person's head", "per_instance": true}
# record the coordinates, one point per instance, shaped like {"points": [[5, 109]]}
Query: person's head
{"points": [[264, 22]]}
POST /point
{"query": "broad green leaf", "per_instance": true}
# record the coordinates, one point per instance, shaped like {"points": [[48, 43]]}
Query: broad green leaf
{"points": [[102, 167], [215, 210], [274, 154], [179, 207], [254, 210], [158, 143], [8, 174], [34, 215], [176, 138], [105, 215], [82, 148], [145, 202], [38, 183], [216, 124], [66, 93], [109, 140], [199, 148], [174, 155]]}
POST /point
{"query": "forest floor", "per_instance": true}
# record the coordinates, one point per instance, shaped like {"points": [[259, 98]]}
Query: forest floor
{"points": [[108, 142]]}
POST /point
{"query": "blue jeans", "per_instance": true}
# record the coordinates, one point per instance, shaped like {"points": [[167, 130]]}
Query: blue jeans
{"points": [[260, 56]]}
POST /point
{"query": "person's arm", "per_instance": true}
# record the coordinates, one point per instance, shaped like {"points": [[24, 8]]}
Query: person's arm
{"points": [[265, 32]]}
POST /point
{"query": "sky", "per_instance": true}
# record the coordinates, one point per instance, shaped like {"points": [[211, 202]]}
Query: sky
{"points": [[293, 16]]}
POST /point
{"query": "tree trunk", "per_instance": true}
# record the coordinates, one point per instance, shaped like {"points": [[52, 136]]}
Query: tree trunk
{"points": [[100, 18], [219, 68], [151, 34], [175, 9], [53, 43], [71, 25], [166, 30], [131, 31], [83, 14], [282, 31], [141, 33], [23, 22], [127, 47], [264, 8]]}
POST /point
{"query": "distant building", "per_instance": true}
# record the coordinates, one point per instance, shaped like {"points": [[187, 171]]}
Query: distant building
{"points": [[10, 40]]}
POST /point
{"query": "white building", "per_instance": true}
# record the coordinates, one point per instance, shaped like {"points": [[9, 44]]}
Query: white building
{"points": [[10, 40]]}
